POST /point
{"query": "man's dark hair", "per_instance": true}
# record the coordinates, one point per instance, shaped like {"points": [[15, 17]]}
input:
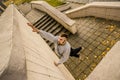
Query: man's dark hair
{"points": [[64, 35]]}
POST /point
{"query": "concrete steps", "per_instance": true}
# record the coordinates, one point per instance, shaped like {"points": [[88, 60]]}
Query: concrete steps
{"points": [[50, 25], [34, 15], [1, 11], [45, 22], [2, 7]]}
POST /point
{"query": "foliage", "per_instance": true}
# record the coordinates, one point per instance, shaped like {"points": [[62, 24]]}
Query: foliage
{"points": [[51, 2], [55, 2]]}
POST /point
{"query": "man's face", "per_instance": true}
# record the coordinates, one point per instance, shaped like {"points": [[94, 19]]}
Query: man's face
{"points": [[61, 40]]}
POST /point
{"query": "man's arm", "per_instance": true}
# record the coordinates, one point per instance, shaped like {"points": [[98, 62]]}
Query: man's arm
{"points": [[64, 58], [44, 34], [47, 35]]}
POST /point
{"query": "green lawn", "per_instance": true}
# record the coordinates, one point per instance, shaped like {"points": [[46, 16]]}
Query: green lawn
{"points": [[55, 2], [17, 2], [51, 2]]}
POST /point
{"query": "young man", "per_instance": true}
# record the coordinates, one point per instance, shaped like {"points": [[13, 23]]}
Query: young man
{"points": [[62, 46]]}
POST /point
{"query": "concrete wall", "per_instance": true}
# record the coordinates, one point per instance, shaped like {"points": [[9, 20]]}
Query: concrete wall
{"points": [[88, 1], [78, 1], [108, 10], [103, 0], [56, 14], [24, 55], [25, 8], [109, 67]]}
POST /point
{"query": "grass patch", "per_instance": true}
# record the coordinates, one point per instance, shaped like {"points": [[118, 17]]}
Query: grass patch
{"points": [[55, 2], [51, 2], [17, 2]]}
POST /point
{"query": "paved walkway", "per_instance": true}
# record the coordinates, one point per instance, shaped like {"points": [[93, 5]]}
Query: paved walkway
{"points": [[97, 36], [109, 67]]}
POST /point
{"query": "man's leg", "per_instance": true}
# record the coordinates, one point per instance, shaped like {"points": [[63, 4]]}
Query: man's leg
{"points": [[74, 52]]}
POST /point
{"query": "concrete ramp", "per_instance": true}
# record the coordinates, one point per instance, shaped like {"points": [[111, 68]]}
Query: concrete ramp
{"points": [[5, 40], [24, 55], [12, 55], [108, 10], [109, 67]]}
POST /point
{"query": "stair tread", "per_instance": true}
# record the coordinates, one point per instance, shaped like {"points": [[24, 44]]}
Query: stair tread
{"points": [[35, 24], [53, 28], [47, 24], [41, 20], [44, 22], [50, 26], [57, 30]]}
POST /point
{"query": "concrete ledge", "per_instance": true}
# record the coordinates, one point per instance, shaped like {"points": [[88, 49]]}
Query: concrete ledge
{"points": [[24, 55], [109, 67], [64, 7], [78, 1], [56, 14], [108, 10]]}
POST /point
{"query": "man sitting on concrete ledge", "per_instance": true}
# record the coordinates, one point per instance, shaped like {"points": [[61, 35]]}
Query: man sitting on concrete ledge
{"points": [[62, 46]]}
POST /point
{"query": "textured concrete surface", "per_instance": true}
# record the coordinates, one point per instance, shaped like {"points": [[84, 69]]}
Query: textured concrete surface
{"points": [[88, 1], [109, 67], [108, 10], [25, 8], [97, 36], [34, 15], [24, 54], [56, 14]]}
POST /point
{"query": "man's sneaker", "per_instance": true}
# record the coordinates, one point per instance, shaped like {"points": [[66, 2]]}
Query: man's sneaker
{"points": [[82, 48], [81, 57]]}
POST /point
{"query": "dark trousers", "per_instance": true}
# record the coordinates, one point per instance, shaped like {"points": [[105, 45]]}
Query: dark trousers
{"points": [[74, 52]]}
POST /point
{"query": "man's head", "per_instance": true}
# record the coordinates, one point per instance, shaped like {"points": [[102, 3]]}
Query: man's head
{"points": [[62, 39]]}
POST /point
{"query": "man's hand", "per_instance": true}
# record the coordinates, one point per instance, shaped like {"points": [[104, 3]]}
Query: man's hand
{"points": [[34, 29], [56, 64], [29, 24]]}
